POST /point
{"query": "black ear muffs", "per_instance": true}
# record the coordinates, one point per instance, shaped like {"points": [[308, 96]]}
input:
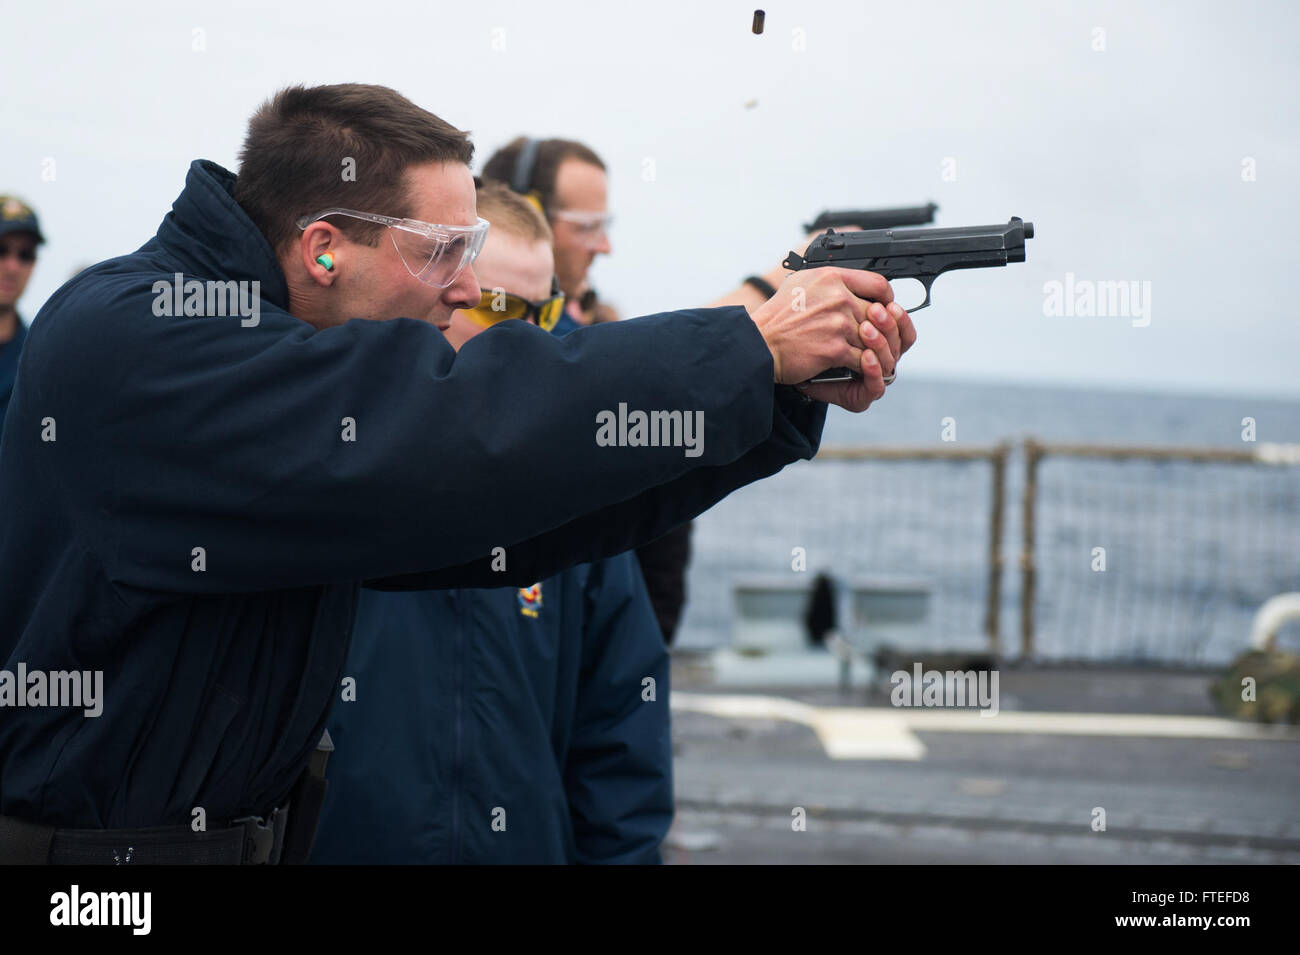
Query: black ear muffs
{"points": [[521, 180]]}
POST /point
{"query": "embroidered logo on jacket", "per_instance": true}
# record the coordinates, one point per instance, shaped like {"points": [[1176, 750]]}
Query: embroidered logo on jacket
{"points": [[530, 600]]}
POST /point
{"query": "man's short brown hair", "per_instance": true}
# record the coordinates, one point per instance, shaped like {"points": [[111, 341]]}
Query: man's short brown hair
{"points": [[550, 153], [298, 148], [510, 212]]}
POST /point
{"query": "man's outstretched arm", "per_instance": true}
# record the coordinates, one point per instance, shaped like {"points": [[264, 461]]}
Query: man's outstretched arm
{"points": [[295, 457]]}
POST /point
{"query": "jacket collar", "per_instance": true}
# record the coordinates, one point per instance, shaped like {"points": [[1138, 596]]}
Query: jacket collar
{"points": [[208, 235]]}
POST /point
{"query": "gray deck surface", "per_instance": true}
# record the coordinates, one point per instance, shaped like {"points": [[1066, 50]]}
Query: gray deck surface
{"points": [[987, 797]]}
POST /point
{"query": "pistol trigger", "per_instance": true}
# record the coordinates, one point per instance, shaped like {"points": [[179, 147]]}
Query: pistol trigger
{"points": [[926, 304]]}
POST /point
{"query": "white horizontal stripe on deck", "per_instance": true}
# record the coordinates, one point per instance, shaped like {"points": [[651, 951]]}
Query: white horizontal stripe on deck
{"points": [[878, 733]]}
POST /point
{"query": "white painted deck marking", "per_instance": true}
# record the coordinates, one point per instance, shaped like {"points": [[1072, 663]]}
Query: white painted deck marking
{"points": [[849, 732]]}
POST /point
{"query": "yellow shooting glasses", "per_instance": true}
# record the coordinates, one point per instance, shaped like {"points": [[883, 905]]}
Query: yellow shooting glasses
{"points": [[434, 254], [497, 305]]}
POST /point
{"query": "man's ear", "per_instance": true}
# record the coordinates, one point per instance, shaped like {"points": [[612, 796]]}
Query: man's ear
{"points": [[320, 250]]}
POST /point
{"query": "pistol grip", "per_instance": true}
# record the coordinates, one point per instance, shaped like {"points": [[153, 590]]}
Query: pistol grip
{"points": [[847, 374], [834, 374]]}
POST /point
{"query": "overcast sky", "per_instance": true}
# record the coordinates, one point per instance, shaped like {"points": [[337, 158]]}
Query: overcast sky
{"points": [[1127, 132]]}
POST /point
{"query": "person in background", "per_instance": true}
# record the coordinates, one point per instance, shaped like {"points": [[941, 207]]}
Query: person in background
{"points": [[567, 181], [504, 725], [20, 234]]}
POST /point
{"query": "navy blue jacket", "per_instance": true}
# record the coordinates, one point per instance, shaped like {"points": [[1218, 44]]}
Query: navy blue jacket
{"points": [[9, 353], [504, 726], [133, 440], [565, 324]]}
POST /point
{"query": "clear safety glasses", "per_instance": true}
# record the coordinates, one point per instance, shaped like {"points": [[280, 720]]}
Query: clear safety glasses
{"points": [[591, 228], [434, 254]]}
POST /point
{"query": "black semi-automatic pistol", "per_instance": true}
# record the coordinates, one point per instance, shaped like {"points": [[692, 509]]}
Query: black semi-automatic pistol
{"points": [[873, 218], [921, 254]]}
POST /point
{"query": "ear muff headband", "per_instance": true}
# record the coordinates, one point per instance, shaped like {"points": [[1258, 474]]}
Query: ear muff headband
{"points": [[521, 181]]}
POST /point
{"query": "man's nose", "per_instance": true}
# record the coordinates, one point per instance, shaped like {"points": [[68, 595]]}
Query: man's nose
{"points": [[464, 292], [603, 248]]}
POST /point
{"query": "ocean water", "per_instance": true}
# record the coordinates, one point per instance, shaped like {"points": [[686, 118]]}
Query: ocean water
{"points": [[1135, 560]]}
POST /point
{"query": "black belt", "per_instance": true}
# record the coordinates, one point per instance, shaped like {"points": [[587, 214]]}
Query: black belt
{"points": [[249, 840]]}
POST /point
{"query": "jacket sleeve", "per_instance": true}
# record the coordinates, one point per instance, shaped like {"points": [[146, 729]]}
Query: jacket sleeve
{"points": [[796, 430], [198, 455], [618, 771]]}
